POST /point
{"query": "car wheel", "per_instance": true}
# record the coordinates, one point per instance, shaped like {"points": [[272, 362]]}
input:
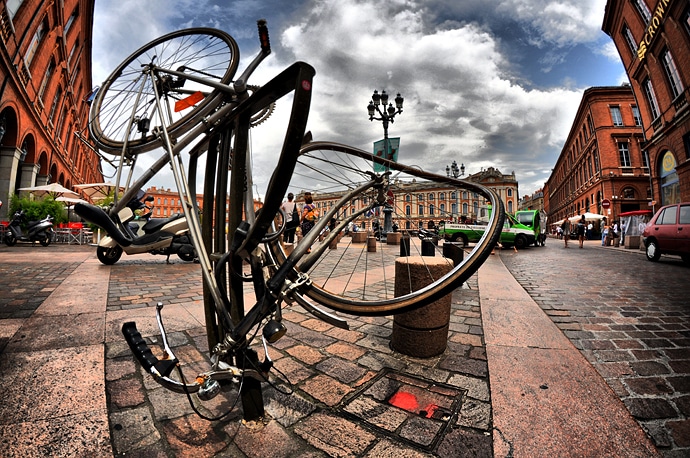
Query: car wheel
{"points": [[520, 242], [653, 253]]}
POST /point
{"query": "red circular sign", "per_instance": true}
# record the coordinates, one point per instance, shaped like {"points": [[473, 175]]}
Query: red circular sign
{"points": [[606, 203]]}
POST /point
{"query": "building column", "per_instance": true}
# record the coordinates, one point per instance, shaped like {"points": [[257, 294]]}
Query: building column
{"points": [[9, 159]]}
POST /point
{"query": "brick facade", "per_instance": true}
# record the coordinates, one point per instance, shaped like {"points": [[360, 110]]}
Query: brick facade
{"points": [[601, 159], [653, 40], [45, 79]]}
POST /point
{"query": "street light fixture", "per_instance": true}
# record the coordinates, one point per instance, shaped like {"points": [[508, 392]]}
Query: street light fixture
{"points": [[455, 171], [386, 114]]}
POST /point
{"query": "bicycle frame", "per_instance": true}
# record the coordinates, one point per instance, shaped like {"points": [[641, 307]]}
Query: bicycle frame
{"points": [[224, 134]]}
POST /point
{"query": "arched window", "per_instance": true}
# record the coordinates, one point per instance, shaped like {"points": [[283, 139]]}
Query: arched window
{"points": [[408, 198], [670, 186], [510, 192], [441, 196], [431, 196], [431, 210], [408, 210]]}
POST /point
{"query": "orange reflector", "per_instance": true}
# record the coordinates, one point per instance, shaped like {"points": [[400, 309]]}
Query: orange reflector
{"points": [[189, 101]]}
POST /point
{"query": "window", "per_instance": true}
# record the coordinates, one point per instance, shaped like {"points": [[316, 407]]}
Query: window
{"points": [[510, 206], [70, 20], [454, 208], [510, 193], [431, 210], [36, 41], [453, 195], [643, 9], [645, 161], [442, 196], [72, 53], [672, 74], [46, 79], [408, 210], [421, 210], [636, 115], [668, 216], [431, 196], [624, 154], [464, 208], [13, 7], [442, 208], [408, 198], [420, 197], [56, 102], [651, 98], [632, 44], [616, 116]]}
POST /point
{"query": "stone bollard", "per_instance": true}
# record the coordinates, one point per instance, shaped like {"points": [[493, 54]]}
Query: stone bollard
{"points": [[453, 250], [405, 246], [371, 244], [428, 247], [393, 238], [423, 332]]}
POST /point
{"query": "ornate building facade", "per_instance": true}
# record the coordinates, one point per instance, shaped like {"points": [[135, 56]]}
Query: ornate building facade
{"points": [[653, 41], [602, 167], [45, 82], [420, 202]]}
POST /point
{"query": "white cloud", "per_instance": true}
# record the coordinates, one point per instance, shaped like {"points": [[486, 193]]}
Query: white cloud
{"points": [[463, 100]]}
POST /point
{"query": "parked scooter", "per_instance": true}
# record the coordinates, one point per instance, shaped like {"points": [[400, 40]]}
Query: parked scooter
{"points": [[36, 231], [164, 236]]}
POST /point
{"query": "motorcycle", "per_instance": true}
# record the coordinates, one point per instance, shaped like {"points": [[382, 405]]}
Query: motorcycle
{"points": [[126, 233], [36, 231]]}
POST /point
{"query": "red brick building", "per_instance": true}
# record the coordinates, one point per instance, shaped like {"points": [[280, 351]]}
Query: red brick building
{"points": [[45, 82], [653, 40], [602, 161]]}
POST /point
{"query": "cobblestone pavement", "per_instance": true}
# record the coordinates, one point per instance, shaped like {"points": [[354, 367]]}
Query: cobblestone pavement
{"points": [[630, 318], [337, 379]]}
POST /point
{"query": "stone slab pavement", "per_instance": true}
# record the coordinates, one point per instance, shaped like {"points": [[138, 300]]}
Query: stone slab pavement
{"points": [[71, 388]]}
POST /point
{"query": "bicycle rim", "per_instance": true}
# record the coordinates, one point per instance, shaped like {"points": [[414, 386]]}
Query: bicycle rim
{"points": [[127, 96], [348, 276]]}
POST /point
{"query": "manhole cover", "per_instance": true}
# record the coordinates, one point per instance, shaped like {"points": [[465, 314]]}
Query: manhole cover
{"points": [[406, 407]]}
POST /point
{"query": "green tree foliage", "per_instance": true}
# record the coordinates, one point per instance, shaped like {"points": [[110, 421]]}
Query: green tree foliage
{"points": [[38, 209]]}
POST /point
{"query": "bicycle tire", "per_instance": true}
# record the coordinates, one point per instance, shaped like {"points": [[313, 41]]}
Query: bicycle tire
{"points": [[128, 93], [349, 300]]}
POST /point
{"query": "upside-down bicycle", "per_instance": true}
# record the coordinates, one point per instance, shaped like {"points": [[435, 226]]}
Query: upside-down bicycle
{"points": [[177, 94]]}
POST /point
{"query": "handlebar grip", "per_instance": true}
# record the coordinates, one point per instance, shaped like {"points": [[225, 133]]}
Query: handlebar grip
{"points": [[263, 36], [143, 353]]}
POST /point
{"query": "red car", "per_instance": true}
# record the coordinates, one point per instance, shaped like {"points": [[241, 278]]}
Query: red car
{"points": [[668, 232]]}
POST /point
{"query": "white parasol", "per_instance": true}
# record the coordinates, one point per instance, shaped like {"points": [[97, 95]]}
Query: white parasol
{"points": [[97, 191], [54, 189]]}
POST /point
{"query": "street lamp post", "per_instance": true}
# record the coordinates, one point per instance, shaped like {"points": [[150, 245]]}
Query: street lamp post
{"points": [[386, 114], [456, 172]]}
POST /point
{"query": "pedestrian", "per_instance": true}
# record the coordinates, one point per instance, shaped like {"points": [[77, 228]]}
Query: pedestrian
{"points": [[623, 227], [604, 230], [310, 214], [590, 230], [559, 232], [565, 228], [581, 231], [291, 218]]}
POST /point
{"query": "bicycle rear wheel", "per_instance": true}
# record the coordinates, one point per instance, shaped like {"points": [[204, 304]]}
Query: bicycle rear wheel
{"points": [[348, 276], [124, 110]]}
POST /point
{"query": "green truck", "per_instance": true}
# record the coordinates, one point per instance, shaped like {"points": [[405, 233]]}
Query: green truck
{"points": [[526, 228]]}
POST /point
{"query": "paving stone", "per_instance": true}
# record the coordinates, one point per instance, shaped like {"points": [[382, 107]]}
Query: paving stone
{"points": [[648, 409], [326, 389], [336, 436], [459, 443]]}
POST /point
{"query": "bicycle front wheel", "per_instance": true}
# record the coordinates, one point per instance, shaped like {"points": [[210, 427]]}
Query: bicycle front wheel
{"points": [[125, 110], [363, 272]]}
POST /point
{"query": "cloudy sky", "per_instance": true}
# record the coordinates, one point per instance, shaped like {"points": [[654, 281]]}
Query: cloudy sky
{"points": [[488, 83]]}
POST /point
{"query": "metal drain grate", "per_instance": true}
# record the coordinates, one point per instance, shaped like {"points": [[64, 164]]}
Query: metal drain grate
{"points": [[406, 407]]}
